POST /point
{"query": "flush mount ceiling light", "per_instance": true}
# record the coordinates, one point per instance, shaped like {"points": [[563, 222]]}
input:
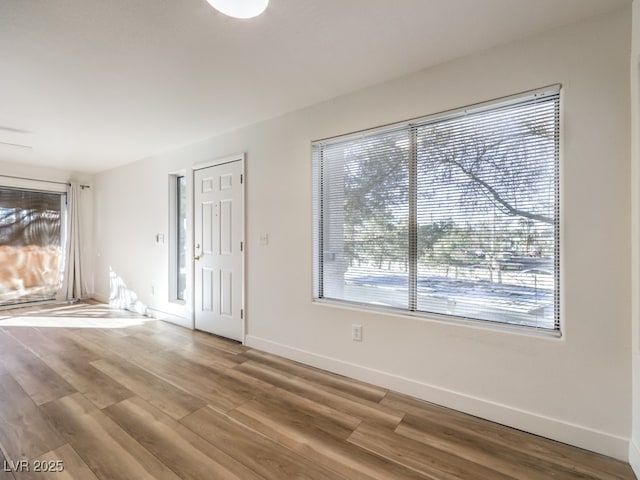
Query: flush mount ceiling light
{"points": [[240, 8]]}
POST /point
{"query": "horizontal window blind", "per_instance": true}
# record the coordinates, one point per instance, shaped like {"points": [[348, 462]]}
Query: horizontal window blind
{"points": [[454, 215]]}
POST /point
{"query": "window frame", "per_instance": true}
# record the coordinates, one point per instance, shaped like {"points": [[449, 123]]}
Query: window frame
{"points": [[318, 221]]}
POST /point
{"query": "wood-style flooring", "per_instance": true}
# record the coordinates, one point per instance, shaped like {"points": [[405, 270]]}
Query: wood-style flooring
{"points": [[111, 395]]}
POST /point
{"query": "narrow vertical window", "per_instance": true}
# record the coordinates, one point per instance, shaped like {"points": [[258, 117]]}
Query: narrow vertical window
{"points": [[181, 237], [178, 238]]}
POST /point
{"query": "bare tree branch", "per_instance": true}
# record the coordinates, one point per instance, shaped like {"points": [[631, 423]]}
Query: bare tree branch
{"points": [[512, 210]]}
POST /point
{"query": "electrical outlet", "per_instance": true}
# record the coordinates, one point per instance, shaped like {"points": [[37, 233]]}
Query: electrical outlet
{"points": [[356, 332]]}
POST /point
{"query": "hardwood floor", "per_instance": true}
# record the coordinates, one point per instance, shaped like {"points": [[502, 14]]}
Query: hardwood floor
{"points": [[111, 395]]}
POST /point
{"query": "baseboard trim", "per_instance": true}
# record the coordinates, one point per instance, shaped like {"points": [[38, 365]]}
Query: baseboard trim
{"points": [[99, 297], [556, 429], [634, 457], [154, 313], [169, 317]]}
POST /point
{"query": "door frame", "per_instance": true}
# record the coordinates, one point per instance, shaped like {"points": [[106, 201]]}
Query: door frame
{"points": [[238, 157]]}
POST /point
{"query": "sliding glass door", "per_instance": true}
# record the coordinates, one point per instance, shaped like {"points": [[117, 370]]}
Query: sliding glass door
{"points": [[31, 245]]}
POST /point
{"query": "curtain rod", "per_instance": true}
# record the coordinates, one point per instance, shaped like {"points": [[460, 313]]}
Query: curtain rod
{"points": [[43, 181]]}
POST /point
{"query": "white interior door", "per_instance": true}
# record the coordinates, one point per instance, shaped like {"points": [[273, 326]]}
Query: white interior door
{"points": [[218, 249]]}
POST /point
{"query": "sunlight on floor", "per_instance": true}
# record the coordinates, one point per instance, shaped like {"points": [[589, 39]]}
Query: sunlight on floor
{"points": [[74, 322], [77, 315]]}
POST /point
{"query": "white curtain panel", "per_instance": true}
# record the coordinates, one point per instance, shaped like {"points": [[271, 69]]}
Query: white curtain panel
{"points": [[73, 282]]}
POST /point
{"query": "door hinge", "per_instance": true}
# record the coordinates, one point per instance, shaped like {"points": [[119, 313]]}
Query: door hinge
{"points": [[242, 246], [242, 314], [241, 178]]}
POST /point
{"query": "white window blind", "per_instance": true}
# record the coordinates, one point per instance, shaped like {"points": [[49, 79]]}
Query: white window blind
{"points": [[456, 214]]}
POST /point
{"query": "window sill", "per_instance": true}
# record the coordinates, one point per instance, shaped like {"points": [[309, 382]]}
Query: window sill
{"points": [[440, 318]]}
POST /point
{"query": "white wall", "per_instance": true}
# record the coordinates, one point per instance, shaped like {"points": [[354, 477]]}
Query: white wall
{"points": [[634, 446], [575, 389], [19, 169]]}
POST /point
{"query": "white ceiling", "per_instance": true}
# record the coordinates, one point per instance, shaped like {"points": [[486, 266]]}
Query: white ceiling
{"points": [[92, 84]]}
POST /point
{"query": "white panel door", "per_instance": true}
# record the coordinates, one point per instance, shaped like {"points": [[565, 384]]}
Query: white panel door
{"points": [[218, 265]]}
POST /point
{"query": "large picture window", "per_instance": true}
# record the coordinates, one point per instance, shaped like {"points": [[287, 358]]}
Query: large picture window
{"points": [[454, 215]]}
